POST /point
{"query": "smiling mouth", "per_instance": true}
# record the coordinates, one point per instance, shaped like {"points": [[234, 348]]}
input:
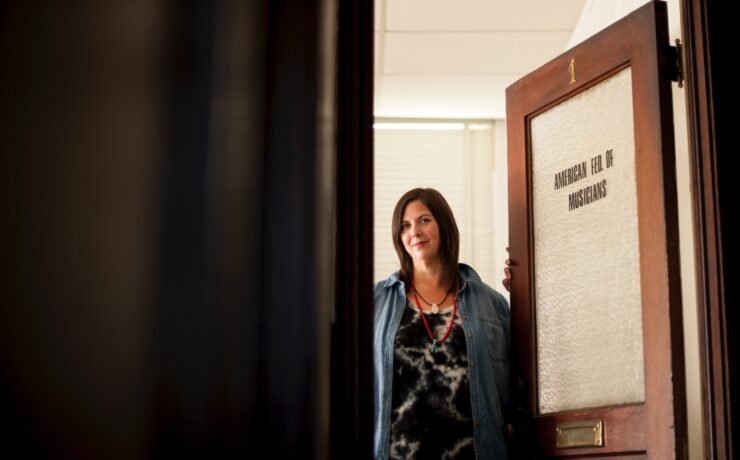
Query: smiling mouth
{"points": [[417, 245]]}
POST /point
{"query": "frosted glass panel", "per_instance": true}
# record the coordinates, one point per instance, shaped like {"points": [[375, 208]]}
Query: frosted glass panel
{"points": [[586, 254]]}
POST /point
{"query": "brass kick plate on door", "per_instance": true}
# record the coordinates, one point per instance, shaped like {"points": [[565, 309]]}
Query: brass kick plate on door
{"points": [[588, 433]]}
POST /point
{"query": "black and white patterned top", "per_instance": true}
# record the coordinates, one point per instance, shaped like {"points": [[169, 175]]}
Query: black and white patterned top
{"points": [[431, 414]]}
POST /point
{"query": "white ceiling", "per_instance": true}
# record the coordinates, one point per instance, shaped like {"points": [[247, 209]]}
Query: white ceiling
{"points": [[455, 58]]}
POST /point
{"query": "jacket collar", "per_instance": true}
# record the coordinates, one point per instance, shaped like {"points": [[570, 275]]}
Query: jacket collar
{"points": [[466, 273]]}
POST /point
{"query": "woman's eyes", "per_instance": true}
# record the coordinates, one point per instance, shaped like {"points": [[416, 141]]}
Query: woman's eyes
{"points": [[422, 220]]}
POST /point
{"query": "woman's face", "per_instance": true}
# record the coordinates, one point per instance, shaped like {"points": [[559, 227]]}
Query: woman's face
{"points": [[420, 232]]}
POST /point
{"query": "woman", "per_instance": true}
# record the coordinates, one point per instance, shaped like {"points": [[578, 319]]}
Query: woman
{"points": [[441, 344]]}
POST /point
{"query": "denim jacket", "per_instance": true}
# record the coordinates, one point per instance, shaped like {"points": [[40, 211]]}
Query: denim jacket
{"points": [[486, 323]]}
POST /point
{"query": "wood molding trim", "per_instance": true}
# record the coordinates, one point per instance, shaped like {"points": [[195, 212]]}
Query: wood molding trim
{"points": [[352, 329], [710, 254]]}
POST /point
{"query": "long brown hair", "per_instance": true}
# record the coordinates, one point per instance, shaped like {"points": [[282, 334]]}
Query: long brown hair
{"points": [[449, 236]]}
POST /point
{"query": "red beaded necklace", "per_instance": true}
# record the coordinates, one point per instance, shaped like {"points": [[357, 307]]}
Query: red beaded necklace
{"points": [[433, 347]]}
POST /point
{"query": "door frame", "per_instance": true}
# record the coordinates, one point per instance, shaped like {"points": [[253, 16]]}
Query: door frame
{"points": [[716, 255]]}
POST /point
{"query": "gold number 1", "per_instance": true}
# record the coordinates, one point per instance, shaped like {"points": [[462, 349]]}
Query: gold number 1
{"points": [[572, 70]]}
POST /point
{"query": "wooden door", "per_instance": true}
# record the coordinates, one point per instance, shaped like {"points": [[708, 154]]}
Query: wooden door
{"points": [[593, 237]]}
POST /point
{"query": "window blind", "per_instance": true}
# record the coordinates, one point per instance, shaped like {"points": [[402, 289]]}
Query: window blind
{"points": [[456, 159]]}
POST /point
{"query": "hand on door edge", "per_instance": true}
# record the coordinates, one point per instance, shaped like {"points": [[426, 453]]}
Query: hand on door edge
{"points": [[507, 273]]}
